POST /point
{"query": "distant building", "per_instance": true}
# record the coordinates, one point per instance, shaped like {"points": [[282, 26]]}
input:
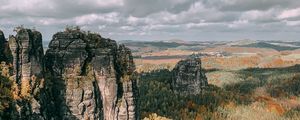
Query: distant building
{"points": [[210, 54]]}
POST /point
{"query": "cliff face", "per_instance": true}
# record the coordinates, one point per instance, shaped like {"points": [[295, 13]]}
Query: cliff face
{"points": [[88, 77], [82, 76], [5, 54], [188, 77], [27, 52], [2, 46]]}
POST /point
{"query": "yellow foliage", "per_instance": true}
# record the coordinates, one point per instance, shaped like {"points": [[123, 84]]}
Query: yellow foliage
{"points": [[4, 69], [25, 88], [15, 91], [154, 116], [126, 78]]}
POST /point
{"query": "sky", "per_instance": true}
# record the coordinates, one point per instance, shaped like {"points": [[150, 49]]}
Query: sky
{"points": [[197, 20]]}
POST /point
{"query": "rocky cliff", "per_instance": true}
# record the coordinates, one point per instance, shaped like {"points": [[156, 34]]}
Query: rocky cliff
{"points": [[5, 54], [188, 77], [27, 51], [2, 46], [88, 77], [81, 77]]}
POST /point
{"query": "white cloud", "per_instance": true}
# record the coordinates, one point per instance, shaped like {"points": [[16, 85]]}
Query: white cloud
{"points": [[259, 16], [199, 25], [292, 23], [26, 5], [238, 24], [89, 19], [101, 27], [103, 3], [129, 28], [291, 13], [154, 18]]}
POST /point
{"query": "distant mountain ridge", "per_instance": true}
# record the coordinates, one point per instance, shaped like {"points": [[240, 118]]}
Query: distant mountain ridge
{"points": [[269, 45]]}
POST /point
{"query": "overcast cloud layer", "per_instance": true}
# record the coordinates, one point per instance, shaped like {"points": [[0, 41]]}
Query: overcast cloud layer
{"points": [[158, 19]]}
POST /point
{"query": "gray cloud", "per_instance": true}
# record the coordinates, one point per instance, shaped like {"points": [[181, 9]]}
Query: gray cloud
{"points": [[158, 19], [246, 5], [142, 8]]}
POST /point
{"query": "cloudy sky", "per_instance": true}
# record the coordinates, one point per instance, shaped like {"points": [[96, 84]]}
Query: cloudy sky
{"points": [[159, 19]]}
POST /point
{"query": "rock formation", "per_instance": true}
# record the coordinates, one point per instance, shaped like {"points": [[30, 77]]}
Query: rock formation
{"points": [[82, 76], [5, 54], [27, 52], [2, 46], [88, 77], [188, 77]]}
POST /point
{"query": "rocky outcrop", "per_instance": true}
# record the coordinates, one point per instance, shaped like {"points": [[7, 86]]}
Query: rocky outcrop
{"points": [[5, 54], [88, 77], [82, 76], [188, 77], [2, 46], [27, 52]]}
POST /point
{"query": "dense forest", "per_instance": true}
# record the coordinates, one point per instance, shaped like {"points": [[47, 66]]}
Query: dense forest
{"points": [[156, 95]]}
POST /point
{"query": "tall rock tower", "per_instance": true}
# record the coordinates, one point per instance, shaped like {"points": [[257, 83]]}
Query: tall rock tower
{"points": [[27, 52], [188, 77], [89, 77]]}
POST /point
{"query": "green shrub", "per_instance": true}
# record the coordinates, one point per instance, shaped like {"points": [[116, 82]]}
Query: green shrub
{"points": [[5, 96], [286, 87]]}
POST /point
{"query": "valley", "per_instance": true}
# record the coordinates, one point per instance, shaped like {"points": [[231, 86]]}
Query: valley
{"points": [[253, 81]]}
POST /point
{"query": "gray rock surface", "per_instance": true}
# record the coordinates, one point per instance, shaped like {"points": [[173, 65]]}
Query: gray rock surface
{"points": [[27, 52], [88, 77], [188, 77], [82, 76]]}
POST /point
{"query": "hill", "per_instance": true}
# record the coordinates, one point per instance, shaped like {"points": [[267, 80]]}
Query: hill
{"points": [[277, 47]]}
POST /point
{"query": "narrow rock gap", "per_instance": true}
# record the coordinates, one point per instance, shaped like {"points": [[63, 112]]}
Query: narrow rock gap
{"points": [[127, 109], [98, 100], [17, 60], [87, 60], [120, 90]]}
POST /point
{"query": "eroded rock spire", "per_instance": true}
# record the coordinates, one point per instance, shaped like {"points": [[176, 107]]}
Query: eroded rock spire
{"points": [[27, 52], [189, 77], [90, 77]]}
